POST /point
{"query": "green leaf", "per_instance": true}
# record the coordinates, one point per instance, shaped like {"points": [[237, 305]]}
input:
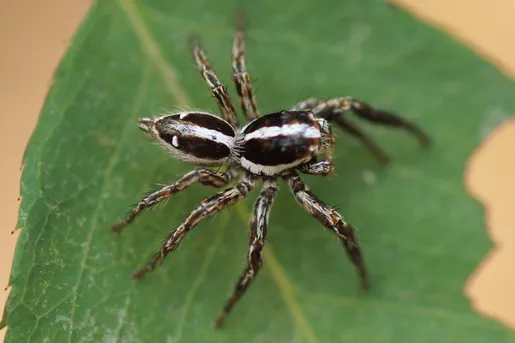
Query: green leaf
{"points": [[87, 162]]}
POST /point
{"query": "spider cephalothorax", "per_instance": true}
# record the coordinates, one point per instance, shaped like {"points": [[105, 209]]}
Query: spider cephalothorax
{"points": [[276, 145]]}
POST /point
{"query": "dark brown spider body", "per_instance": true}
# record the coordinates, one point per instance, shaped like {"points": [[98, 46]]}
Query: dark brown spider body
{"points": [[277, 145], [278, 142]]}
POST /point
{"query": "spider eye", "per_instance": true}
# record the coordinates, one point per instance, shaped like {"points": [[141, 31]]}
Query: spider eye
{"points": [[198, 138]]}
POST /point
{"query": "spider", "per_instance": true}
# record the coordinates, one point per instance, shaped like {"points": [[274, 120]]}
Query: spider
{"points": [[269, 147]]}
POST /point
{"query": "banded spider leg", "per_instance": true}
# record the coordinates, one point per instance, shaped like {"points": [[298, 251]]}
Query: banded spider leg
{"points": [[257, 236], [217, 88], [241, 77], [201, 175], [332, 220]]}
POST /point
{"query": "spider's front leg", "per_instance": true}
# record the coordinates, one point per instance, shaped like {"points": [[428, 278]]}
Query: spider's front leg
{"points": [[209, 206], [240, 75], [334, 109], [204, 176], [331, 220], [216, 87], [326, 166], [258, 228], [314, 167]]}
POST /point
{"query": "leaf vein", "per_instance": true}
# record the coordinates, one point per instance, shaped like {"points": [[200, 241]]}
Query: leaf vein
{"points": [[284, 285], [208, 258], [154, 53]]}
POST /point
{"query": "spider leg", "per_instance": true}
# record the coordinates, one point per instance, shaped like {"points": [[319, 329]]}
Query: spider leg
{"points": [[216, 87], [306, 104], [209, 206], [361, 109], [204, 176], [257, 236], [317, 168], [240, 75], [331, 220]]}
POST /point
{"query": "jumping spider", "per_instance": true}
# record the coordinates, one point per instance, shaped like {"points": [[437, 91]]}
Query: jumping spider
{"points": [[272, 146]]}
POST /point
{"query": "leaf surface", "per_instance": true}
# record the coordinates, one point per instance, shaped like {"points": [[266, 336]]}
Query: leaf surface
{"points": [[87, 162]]}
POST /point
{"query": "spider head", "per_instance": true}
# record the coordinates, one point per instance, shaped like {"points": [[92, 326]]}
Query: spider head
{"points": [[194, 137]]}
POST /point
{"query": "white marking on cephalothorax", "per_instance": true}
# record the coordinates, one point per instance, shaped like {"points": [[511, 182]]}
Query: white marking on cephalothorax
{"points": [[304, 130], [183, 115], [175, 141]]}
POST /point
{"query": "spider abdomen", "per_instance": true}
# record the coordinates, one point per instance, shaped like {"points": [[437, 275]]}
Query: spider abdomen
{"points": [[280, 141]]}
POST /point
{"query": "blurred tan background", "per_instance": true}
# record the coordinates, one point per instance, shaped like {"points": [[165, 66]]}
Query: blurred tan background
{"points": [[34, 35]]}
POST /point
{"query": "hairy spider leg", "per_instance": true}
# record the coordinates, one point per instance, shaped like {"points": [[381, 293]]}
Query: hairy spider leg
{"points": [[216, 87], [306, 104], [331, 109], [257, 236], [240, 75], [317, 168], [204, 176], [331, 220], [209, 206]]}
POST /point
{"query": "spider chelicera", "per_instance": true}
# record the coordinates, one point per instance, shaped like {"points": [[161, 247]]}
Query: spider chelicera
{"points": [[269, 147]]}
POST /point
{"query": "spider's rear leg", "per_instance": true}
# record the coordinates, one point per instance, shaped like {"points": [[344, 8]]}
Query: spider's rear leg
{"points": [[204, 176], [240, 75], [209, 206], [258, 228], [216, 87], [331, 220]]}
